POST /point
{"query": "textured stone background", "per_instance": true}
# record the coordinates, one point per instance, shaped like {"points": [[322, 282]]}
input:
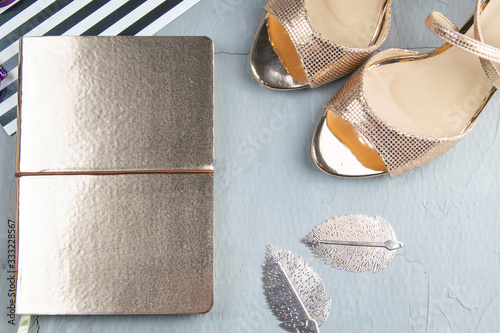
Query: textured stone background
{"points": [[268, 191]]}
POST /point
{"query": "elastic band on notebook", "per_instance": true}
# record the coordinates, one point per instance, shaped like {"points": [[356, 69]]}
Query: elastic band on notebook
{"points": [[107, 173]]}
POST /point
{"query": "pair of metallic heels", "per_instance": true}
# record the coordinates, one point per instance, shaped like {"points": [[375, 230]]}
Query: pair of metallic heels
{"points": [[400, 109]]}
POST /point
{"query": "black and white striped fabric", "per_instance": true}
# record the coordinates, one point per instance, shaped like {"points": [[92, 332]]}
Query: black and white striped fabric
{"points": [[73, 18]]}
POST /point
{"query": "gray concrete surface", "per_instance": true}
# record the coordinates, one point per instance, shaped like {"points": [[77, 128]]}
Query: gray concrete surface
{"points": [[268, 191]]}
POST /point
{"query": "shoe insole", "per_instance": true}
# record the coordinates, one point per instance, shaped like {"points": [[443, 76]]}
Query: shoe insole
{"points": [[437, 96], [352, 23], [364, 151], [286, 51]]}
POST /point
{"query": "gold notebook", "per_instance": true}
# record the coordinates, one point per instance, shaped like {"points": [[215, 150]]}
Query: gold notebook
{"points": [[115, 175]]}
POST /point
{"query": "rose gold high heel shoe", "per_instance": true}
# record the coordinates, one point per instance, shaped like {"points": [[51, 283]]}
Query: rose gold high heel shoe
{"points": [[308, 43], [402, 109]]}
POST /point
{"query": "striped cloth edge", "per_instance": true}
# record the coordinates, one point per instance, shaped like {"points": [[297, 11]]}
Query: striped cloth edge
{"points": [[4, 8], [74, 18]]}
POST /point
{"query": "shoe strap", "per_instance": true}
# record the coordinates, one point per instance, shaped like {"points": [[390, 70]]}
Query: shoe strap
{"points": [[445, 29]]}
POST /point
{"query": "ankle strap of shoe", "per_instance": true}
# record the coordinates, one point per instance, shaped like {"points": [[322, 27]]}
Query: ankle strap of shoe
{"points": [[445, 29]]}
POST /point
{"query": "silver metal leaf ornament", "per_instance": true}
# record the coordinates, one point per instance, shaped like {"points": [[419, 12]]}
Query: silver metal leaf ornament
{"points": [[294, 292], [354, 243]]}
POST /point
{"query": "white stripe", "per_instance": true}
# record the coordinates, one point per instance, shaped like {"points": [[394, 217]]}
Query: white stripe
{"points": [[8, 104], [11, 127], [12, 76], [45, 26], [166, 18], [131, 18], [9, 51], [23, 16], [95, 17]]}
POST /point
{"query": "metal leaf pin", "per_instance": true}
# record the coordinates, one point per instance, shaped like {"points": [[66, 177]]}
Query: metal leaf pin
{"points": [[354, 243], [294, 292]]}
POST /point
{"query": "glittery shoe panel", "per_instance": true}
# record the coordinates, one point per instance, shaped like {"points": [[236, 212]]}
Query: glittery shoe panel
{"points": [[323, 60], [400, 151]]}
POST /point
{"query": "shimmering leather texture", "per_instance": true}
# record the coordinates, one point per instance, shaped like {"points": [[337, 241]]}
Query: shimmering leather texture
{"points": [[115, 192], [115, 244], [400, 151], [166, 136], [323, 60]]}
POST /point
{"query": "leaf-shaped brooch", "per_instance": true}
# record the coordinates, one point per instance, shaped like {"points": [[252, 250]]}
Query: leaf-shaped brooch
{"points": [[354, 243], [294, 292]]}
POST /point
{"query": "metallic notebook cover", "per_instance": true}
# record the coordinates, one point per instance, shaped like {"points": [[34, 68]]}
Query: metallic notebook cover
{"points": [[116, 103], [115, 175]]}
